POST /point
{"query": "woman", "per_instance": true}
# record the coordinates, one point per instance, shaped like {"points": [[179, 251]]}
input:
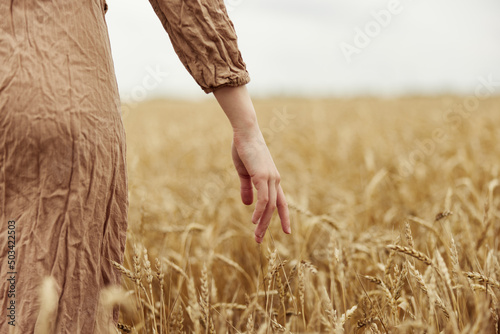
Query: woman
{"points": [[63, 181]]}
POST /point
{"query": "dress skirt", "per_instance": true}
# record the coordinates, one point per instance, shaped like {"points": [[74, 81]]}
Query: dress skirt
{"points": [[63, 182]]}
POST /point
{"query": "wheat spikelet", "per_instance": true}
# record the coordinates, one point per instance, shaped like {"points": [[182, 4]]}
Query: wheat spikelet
{"points": [[408, 235], [147, 268], [250, 325], [478, 287], [418, 277], [149, 279], [348, 314], [193, 308], [232, 306], [264, 293], [411, 252], [276, 326], [443, 269], [292, 275], [124, 328], [434, 299], [211, 326], [295, 207], [496, 318], [390, 300], [442, 215], [137, 266], [367, 321], [455, 265], [302, 290], [160, 276], [177, 321], [331, 314], [440, 305], [124, 270], [205, 300], [431, 294], [204, 295], [281, 290], [271, 269], [372, 279], [388, 265], [400, 282], [482, 279], [309, 266]]}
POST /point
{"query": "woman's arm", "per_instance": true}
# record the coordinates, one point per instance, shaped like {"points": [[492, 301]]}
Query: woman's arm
{"points": [[204, 38], [253, 160]]}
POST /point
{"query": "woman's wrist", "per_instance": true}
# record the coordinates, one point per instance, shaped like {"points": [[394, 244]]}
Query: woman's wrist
{"points": [[245, 125]]}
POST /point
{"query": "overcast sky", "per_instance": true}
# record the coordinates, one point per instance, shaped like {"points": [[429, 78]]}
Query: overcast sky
{"points": [[324, 47]]}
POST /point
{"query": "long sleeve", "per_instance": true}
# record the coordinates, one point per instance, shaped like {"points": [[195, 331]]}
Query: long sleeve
{"points": [[204, 38]]}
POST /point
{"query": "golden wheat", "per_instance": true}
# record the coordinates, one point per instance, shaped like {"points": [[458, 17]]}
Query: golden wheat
{"points": [[394, 206]]}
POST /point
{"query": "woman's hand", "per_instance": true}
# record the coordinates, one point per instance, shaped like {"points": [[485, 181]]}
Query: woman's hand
{"points": [[253, 161], [255, 165]]}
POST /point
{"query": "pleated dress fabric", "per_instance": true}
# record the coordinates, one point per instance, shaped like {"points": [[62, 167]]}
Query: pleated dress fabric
{"points": [[63, 177]]}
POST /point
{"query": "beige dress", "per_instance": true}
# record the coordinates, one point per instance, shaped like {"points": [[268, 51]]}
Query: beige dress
{"points": [[63, 180]]}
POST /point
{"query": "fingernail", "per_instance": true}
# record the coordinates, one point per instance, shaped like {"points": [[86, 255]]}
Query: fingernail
{"points": [[289, 230]]}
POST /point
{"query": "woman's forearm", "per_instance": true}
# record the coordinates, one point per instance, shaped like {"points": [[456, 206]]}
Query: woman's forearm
{"points": [[238, 107]]}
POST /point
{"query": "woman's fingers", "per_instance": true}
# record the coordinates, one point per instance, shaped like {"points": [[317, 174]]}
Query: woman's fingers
{"points": [[283, 211], [262, 199], [246, 189], [261, 229], [245, 179]]}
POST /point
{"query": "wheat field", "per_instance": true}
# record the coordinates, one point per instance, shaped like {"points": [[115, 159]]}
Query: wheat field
{"points": [[394, 206]]}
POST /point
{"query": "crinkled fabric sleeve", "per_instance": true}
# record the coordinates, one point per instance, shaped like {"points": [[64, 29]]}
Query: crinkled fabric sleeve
{"points": [[204, 38]]}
